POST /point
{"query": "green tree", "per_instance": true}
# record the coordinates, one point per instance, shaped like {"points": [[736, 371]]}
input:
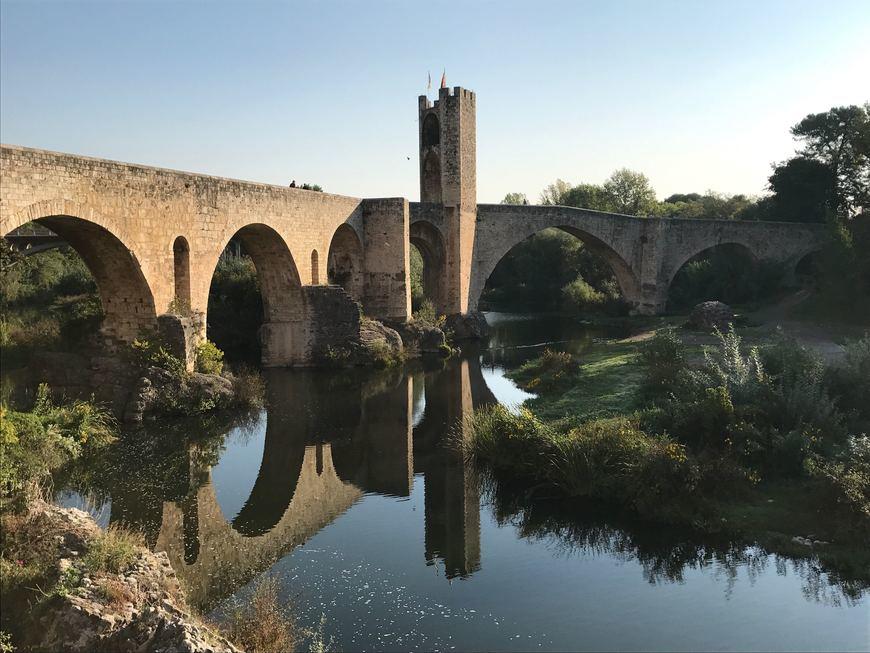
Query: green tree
{"points": [[840, 139], [804, 190], [588, 196], [554, 194], [629, 192], [710, 206], [515, 198]]}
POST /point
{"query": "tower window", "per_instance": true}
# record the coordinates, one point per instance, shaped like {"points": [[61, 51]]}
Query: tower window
{"points": [[431, 130]]}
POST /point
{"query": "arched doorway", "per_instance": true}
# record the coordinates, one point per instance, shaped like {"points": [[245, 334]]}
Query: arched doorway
{"points": [[345, 263], [429, 244]]}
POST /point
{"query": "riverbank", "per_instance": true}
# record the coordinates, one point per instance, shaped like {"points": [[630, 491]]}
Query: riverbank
{"points": [[70, 586], [768, 451]]}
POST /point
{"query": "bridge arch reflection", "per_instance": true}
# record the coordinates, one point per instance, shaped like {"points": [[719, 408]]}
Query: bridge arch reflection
{"points": [[329, 440]]}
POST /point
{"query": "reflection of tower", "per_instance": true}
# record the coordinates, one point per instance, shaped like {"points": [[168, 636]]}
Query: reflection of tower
{"points": [[451, 493], [448, 176], [378, 457]]}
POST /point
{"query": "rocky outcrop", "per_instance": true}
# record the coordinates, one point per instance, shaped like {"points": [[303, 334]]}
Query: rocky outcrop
{"points": [[380, 340], [139, 609], [423, 340], [468, 326], [709, 315], [159, 393]]}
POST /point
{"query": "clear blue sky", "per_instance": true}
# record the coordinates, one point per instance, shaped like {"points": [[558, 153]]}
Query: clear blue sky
{"points": [[696, 95]]}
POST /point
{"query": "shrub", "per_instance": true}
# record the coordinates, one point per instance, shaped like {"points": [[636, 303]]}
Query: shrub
{"points": [[113, 550], [34, 443], [249, 390], [506, 440], [611, 459], [850, 383], [209, 359], [151, 353], [547, 372], [580, 296], [664, 363], [845, 481], [262, 625], [426, 315]]}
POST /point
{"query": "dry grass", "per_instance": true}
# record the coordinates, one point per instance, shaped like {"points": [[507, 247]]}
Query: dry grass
{"points": [[262, 625], [113, 550], [115, 593]]}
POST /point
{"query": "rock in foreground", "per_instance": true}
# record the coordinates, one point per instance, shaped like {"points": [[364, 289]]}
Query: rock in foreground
{"points": [[139, 609]]}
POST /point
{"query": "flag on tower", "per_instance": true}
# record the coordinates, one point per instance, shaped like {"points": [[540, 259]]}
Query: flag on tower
{"points": [[429, 85], [444, 79]]}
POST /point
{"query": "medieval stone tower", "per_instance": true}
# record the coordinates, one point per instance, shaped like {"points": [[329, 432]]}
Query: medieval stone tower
{"points": [[448, 176]]}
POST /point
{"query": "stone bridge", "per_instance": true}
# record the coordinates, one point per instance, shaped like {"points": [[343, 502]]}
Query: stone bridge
{"points": [[152, 238]]}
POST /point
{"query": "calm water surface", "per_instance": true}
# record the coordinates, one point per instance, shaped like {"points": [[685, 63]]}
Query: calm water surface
{"points": [[344, 492]]}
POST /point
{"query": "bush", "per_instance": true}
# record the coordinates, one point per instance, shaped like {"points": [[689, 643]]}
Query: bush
{"points": [[547, 372], [262, 625], [209, 359], [147, 353], [249, 390], [32, 444], [664, 363], [580, 296], [426, 315], [611, 459], [845, 482], [113, 550], [850, 384]]}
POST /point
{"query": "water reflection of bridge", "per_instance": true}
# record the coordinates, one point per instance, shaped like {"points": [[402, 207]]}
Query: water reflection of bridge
{"points": [[329, 440]]}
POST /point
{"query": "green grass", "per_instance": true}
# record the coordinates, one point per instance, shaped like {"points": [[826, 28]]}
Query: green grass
{"points": [[605, 383]]}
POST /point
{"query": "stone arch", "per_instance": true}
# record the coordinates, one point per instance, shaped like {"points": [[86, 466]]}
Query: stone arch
{"points": [[315, 268], [345, 261], [806, 266], [732, 248], [431, 130], [685, 257], [126, 297], [628, 281], [181, 268], [283, 332], [429, 241], [430, 177]]}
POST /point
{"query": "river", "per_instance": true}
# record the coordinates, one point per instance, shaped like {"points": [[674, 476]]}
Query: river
{"points": [[344, 490]]}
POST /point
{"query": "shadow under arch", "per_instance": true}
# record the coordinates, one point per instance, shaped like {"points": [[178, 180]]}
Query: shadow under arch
{"points": [[282, 334], [429, 241], [126, 298], [627, 280], [345, 261], [736, 255]]}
